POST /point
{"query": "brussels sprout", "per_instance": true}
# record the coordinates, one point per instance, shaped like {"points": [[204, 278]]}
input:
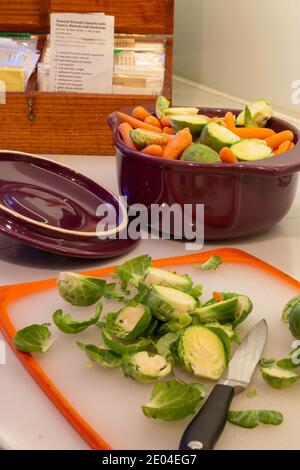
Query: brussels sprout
{"points": [[130, 322], [124, 347], [143, 138], [181, 111], [161, 277], [244, 306], [252, 418], [194, 122], [217, 137], [33, 338], [104, 357], [161, 107], [221, 312], [200, 154], [168, 304], [294, 320], [145, 367], [278, 377], [288, 307], [261, 112], [133, 271], [251, 149], [80, 290], [202, 352], [173, 400]]}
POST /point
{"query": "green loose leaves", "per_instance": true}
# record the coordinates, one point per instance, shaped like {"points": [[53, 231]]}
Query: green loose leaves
{"points": [[173, 400], [211, 264], [249, 120], [132, 271], [34, 338], [164, 344], [267, 362], [252, 418], [124, 347], [103, 357], [291, 362], [68, 325], [80, 290], [113, 291], [251, 393]]}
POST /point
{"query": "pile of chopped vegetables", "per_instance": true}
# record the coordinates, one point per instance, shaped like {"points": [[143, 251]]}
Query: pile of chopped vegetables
{"points": [[184, 134], [162, 325]]}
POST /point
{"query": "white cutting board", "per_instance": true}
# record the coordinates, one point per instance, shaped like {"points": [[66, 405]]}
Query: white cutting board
{"points": [[111, 403]]}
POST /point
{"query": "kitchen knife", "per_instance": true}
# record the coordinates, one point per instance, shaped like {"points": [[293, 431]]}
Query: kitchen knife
{"points": [[207, 426]]}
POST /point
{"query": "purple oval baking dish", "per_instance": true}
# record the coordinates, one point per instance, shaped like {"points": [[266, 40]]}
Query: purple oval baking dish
{"points": [[54, 199], [240, 199]]}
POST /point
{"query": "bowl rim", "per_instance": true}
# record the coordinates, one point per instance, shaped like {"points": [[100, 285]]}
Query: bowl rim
{"points": [[280, 165], [59, 230]]}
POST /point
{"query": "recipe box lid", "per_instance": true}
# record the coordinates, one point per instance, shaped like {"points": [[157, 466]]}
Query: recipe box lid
{"points": [[132, 16]]}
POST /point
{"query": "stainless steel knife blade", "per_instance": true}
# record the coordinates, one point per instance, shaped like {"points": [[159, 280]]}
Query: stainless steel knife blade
{"points": [[246, 358]]}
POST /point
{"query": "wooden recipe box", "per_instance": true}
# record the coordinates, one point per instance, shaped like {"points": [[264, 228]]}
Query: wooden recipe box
{"points": [[75, 123]]}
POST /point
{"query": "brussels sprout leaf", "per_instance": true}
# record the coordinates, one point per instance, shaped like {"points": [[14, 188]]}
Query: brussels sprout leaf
{"points": [[173, 400], [252, 418], [164, 343], [291, 362], [66, 324], [112, 291], [124, 347], [103, 357], [132, 271], [251, 394], [267, 362], [34, 338], [212, 263]]}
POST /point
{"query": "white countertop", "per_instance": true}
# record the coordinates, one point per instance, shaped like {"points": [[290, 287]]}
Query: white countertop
{"points": [[28, 420]]}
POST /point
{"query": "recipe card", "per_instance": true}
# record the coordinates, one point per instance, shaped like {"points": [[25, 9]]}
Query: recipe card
{"points": [[82, 53]]}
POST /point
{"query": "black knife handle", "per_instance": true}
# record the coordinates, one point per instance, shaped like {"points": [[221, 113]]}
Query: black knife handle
{"points": [[207, 426]]}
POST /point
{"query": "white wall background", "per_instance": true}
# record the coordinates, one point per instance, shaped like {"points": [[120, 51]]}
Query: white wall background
{"points": [[246, 48]]}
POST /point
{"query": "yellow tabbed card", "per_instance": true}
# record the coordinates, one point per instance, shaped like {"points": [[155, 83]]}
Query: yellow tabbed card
{"points": [[13, 78]]}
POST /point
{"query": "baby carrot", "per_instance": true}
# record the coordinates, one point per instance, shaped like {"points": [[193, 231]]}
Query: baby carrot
{"points": [[182, 140], [140, 113], [169, 130], [276, 140], [136, 123], [254, 132], [284, 147], [227, 155], [218, 296], [230, 121], [154, 150], [153, 121], [166, 122], [124, 129]]}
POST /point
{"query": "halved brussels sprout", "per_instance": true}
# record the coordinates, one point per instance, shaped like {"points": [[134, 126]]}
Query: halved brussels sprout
{"points": [[202, 352], [261, 112], [243, 309], [168, 304], [278, 377], [161, 277], [80, 290], [124, 347], [103, 357], [130, 322], [145, 366], [221, 312]]}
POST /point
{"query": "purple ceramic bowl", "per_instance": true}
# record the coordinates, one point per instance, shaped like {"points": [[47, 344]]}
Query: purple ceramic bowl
{"points": [[240, 199]]}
